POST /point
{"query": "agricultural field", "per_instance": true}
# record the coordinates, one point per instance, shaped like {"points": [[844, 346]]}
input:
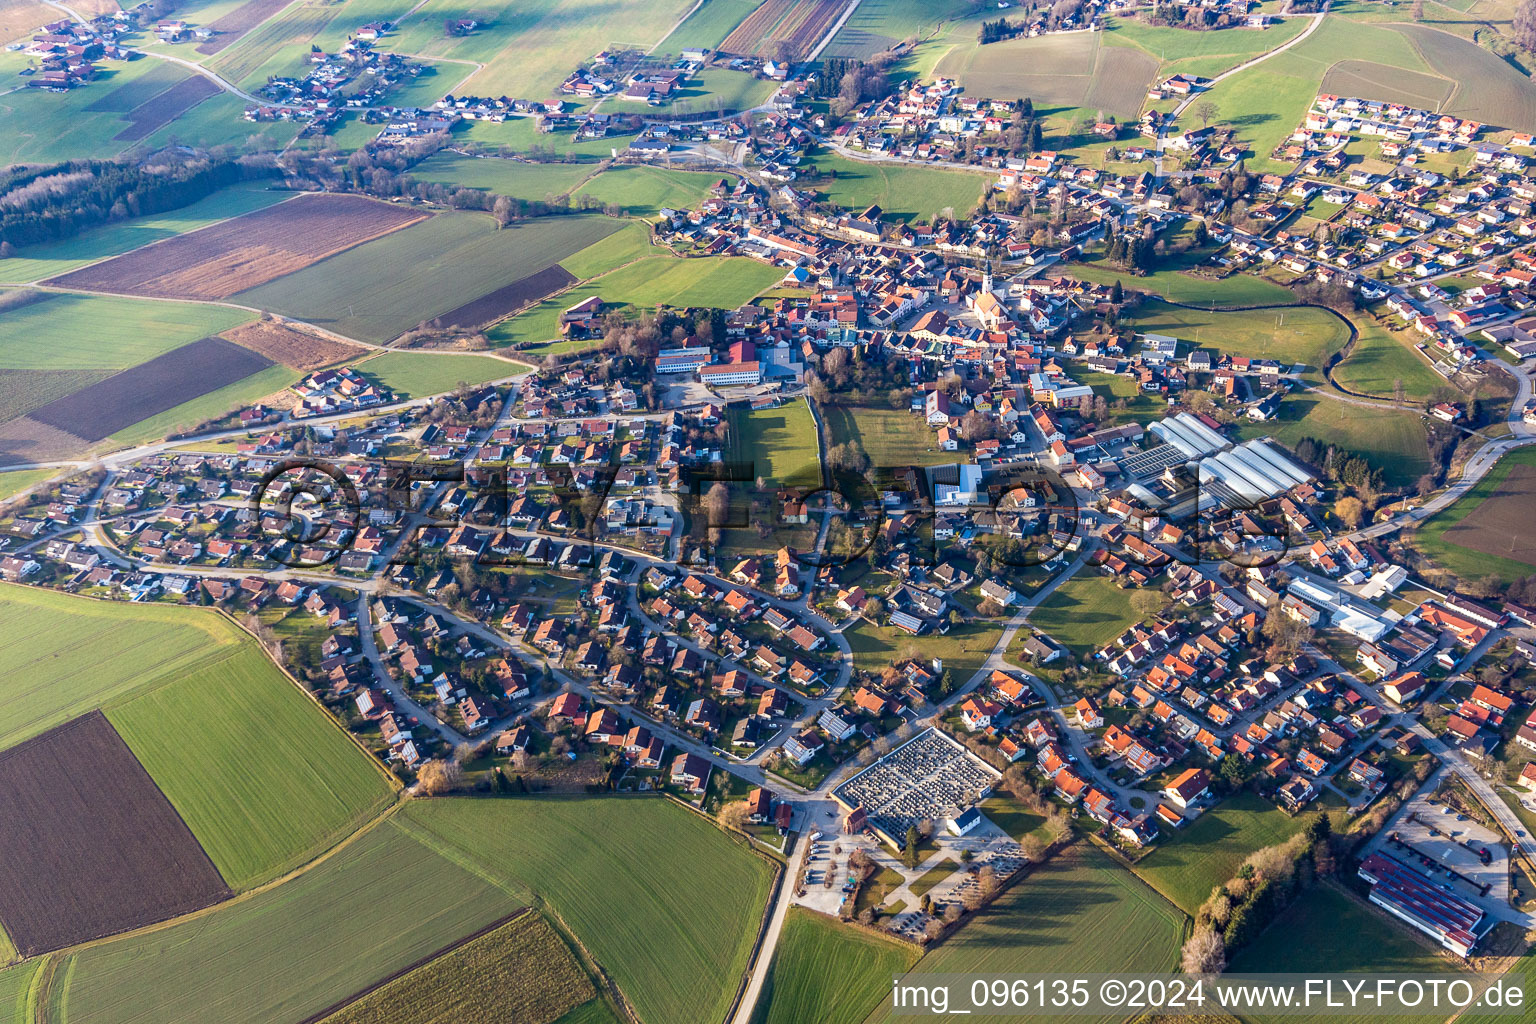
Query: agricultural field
{"points": [[1085, 613], [226, 737], [92, 846], [1201, 53], [86, 332], [278, 46], [261, 775], [379, 905], [295, 348], [1370, 80], [1485, 532], [528, 48], [1079, 912], [878, 25], [233, 256], [102, 409], [1060, 72], [643, 284], [417, 374], [904, 192], [631, 242], [795, 25], [15, 986], [1391, 439], [521, 971], [708, 26], [502, 176], [826, 971], [675, 941], [1381, 359], [269, 384], [18, 18], [454, 260], [1486, 89], [1176, 286], [36, 262], [230, 27], [643, 191], [890, 437], [1306, 335], [780, 443], [165, 107], [1187, 864]]}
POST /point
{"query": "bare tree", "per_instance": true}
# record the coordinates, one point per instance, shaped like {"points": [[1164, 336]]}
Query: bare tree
{"points": [[438, 778], [1206, 111], [1204, 953]]}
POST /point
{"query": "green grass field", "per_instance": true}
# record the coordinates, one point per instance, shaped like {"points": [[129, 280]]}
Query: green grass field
{"points": [[15, 985], [1306, 335], [629, 243], [89, 332], [828, 972], [521, 971], [1380, 359], [903, 191], [1392, 440], [1209, 51], [963, 649], [36, 262], [662, 899], [284, 953], [710, 24], [890, 437], [504, 177], [18, 480], [1430, 537], [262, 776], [1188, 863], [415, 374], [1085, 612], [779, 442], [643, 191], [642, 283], [385, 287], [1326, 930], [1176, 286], [1077, 913]]}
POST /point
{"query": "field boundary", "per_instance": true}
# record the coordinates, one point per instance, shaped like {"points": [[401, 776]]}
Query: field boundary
{"points": [[399, 973]]}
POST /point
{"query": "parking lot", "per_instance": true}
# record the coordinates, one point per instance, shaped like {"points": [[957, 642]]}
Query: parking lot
{"points": [[1447, 846]]}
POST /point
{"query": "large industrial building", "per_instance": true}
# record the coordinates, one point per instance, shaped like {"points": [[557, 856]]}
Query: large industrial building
{"points": [[1237, 476]]}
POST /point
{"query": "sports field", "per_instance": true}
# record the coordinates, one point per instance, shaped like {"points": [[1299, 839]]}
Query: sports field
{"points": [[522, 971], [1079, 912], [1085, 612], [280, 955], [379, 290], [262, 777], [1486, 531], [36, 262], [661, 898], [779, 442], [890, 437], [415, 374], [1188, 863], [1391, 439], [826, 971]]}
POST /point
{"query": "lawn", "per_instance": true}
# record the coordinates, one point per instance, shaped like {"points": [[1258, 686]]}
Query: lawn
{"points": [[890, 437], [382, 288], [382, 903], [521, 971], [1390, 439], [903, 191], [417, 374], [1430, 536], [263, 777], [1007, 815], [1305, 335], [37, 262], [1380, 359], [779, 443], [933, 876], [1139, 407], [504, 177], [828, 972], [1328, 930], [963, 649], [643, 191], [1190, 862], [89, 332], [1078, 913], [1176, 286], [1085, 613], [667, 903], [644, 283]]}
